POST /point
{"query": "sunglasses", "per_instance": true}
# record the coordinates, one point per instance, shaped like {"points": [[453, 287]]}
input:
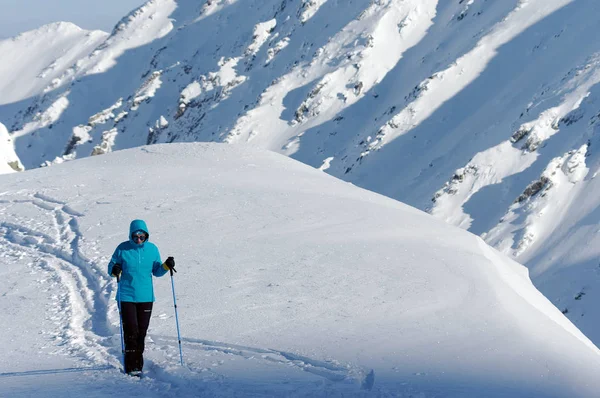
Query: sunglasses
{"points": [[138, 237]]}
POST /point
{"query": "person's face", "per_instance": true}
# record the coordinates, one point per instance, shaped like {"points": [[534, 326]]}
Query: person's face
{"points": [[138, 237]]}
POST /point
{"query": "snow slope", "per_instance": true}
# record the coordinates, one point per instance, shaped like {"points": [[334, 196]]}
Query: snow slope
{"points": [[9, 161], [483, 113], [36, 59], [290, 283]]}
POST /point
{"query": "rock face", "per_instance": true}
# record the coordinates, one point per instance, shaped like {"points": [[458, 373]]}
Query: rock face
{"points": [[486, 107]]}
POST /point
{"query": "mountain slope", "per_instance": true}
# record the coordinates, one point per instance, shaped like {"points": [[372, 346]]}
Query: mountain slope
{"points": [[38, 57], [290, 283], [476, 111], [9, 161]]}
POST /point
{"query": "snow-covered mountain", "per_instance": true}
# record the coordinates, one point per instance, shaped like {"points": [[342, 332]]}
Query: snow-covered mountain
{"points": [[484, 113], [33, 61], [289, 283]]}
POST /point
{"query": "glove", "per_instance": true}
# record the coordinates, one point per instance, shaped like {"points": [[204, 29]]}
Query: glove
{"points": [[169, 265], [116, 270]]}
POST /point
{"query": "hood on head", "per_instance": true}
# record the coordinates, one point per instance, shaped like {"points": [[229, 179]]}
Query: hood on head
{"points": [[137, 225]]}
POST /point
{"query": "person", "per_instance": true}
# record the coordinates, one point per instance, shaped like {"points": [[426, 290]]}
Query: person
{"points": [[133, 264]]}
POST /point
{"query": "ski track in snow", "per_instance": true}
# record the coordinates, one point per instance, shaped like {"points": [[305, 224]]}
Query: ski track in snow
{"points": [[330, 370], [86, 318], [87, 298]]}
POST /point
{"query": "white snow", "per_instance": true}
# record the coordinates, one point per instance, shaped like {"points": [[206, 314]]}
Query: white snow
{"points": [[162, 122], [559, 184], [276, 49], [107, 143], [192, 90], [447, 83], [308, 8], [289, 283], [40, 56], [262, 31], [211, 7], [143, 25], [326, 163], [9, 161], [484, 106], [46, 118], [227, 76], [486, 168], [351, 63], [105, 115], [147, 90]]}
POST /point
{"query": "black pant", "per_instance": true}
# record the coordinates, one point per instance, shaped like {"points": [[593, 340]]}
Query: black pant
{"points": [[136, 318]]}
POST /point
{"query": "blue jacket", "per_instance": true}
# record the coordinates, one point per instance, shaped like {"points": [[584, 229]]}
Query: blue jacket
{"points": [[139, 263]]}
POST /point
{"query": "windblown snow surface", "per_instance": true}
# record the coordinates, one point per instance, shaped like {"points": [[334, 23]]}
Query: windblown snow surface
{"points": [[290, 283]]}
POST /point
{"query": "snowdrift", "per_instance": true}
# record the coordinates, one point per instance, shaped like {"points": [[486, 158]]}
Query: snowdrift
{"points": [[290, 283]]}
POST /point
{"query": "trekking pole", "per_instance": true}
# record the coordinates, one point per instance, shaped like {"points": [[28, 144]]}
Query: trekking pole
{"points": [[120, 318], [176, 317]]}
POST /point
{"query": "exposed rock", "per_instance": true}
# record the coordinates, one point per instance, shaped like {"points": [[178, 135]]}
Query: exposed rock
{"points": [[519, 134], [535, 187]]}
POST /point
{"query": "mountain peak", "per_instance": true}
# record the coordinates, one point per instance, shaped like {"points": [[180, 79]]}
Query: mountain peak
{"points": [[55, 28], [38, 57]]}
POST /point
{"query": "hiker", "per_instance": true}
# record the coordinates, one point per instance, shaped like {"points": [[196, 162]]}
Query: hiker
{"points": [[133, 264]]}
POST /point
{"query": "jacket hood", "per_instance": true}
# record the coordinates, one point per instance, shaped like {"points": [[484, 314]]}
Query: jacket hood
{"points": [[136, 225]]}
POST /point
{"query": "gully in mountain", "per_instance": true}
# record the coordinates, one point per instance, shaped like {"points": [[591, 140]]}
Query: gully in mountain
{"points": [[133, 263]]}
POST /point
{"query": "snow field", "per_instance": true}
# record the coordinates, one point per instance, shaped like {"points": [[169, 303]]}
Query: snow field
{"points": [[290, 283]]}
